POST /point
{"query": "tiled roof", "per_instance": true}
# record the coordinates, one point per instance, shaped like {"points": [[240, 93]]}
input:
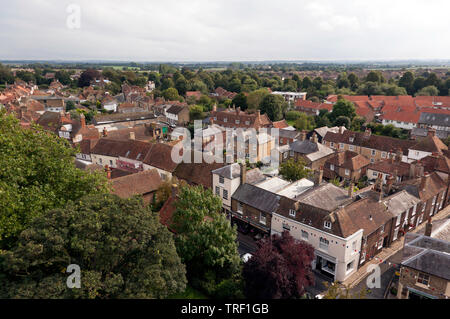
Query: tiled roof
{"points": [[349, 160], [257, 197], [430, 143], [389, 166], [371, 141], [130, 149], [141, 183], [160, 156]]}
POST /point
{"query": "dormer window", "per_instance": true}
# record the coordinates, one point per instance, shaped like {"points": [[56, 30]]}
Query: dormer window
{"points": [[351, 139], [237, 121], [327, 224], [292, 213], [225, 120]]}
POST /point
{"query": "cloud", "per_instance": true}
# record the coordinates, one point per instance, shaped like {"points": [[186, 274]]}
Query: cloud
{"points": [[203, 30]]}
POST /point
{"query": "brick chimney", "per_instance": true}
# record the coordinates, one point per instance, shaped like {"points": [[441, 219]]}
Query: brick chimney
{"points": [[428, 227], [398, 155], [350, 189], [238, 109], [367, 133], [243, 167], [423, 182], [83, 120], [174, 190], [303, 136], [341, 129], [389, 183], [258, 115], [431, 131], [419, 169], [108, 172], [314, 138], [319, 176]]}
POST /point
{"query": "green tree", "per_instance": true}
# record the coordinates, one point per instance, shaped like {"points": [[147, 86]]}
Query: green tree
{"points": [[255, 98], [196, 112], [343, 121], [274, 106], [305, 122], [340, 291], [171, 94], [181, 85], [343, 108], [428, 91], [206, 242], [240, 100], [357, 123], [122, 249], [37, 174], [292, 170], [407, 82]]}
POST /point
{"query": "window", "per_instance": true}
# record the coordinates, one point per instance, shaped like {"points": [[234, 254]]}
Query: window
{"points": [[341, 146], [217, 190], [327, 224], [285, 155], [111, 162], [237, 121], [225, 194], [372, 161], [363, 256], [382, 229], [350, 265], [414, 210], [347, 172], [351, 147], [374, 152], [399, 217], [221, 179], [424, 206], [292, 212], [351, 139], [239, 208], [305, 235], [291, 153], [332, 167], [286, 227], [380, 243], [383, 155], [163, 176], [395, 234], [262, 218], [100, 160], [375, 174], [323, 243], [354, 246], [225, 120], [423, 279], [331, 144]]}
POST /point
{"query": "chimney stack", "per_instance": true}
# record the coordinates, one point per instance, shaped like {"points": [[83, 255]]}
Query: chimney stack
{"points": [[420, 169], [243, 167], [428, 227], [319, 176], [258, 113], [412, 170], [431, 131], [105, 132], [108, 172], [341, 129], [238, 109], [389, 183], [314, 138], [132, 136], [174, 190], [350, 190], [303, 136], [83, 120]]}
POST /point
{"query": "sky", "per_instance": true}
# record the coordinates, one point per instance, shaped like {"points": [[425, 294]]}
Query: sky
{"points": [[224, 30]]}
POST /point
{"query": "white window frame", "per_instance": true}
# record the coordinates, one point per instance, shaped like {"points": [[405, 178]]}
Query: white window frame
{"points": [[221, 180], [332, 167], [225, 194], [292, 213], [303, 232], [324, 243], [262, 218], [347, 172], [327, 224]]}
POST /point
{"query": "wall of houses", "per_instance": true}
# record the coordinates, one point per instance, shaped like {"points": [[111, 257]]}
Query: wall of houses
{"points": [[344, 252], [372, 154], [436, 288], [399, 124], [253, 216], [230, 185], [104, 160], [165, 175]]}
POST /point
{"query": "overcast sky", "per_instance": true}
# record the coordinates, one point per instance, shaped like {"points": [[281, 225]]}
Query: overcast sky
{"points": [[225, 30]]}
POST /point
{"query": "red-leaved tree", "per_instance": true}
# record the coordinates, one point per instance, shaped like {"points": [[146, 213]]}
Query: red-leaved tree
{"points": [[280, 268]]}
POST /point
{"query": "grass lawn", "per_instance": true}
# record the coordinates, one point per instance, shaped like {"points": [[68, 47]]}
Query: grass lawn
{"points": [[189, 293]]}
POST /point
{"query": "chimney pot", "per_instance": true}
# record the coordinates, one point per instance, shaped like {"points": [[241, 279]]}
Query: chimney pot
{"points": [[108, 172], [243, 167]]}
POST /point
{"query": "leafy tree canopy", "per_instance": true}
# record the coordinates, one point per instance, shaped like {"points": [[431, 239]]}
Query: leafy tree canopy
{"points": [[122, 250]]}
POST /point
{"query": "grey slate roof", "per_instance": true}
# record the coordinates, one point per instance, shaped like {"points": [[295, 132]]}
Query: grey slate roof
{"points": [[434, 119], [428, 255], [231, 171], [423, 132], [304, 147], [325, 196], [256, 197]]}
